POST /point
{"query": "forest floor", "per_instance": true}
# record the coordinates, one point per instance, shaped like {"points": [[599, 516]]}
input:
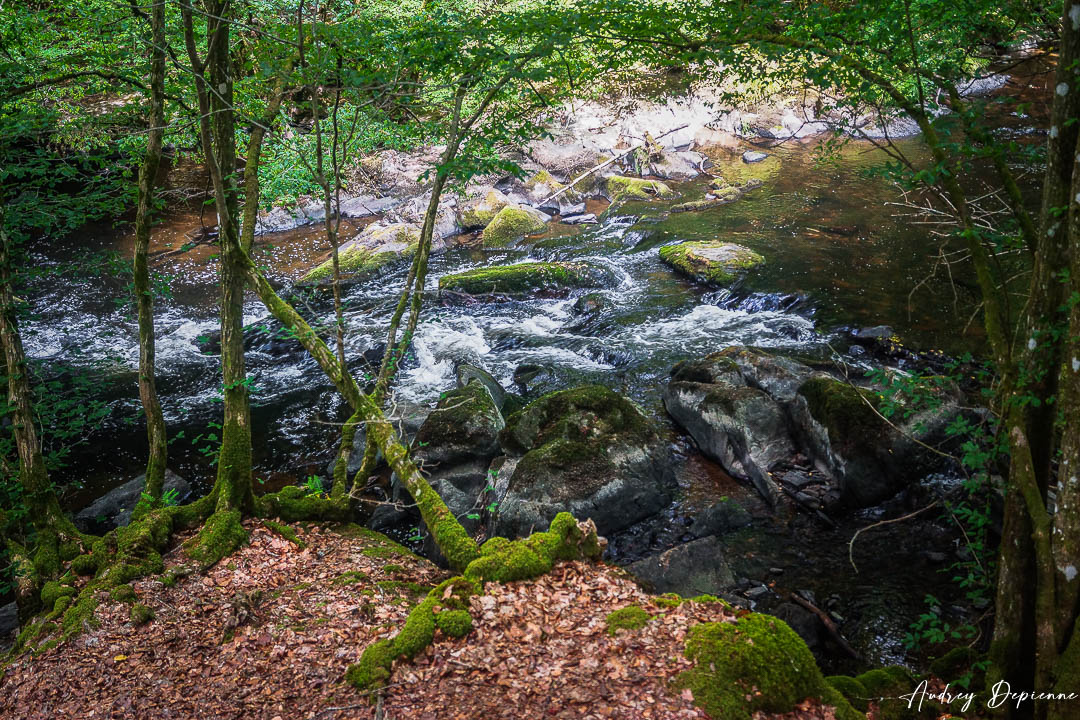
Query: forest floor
{"points": [[268, 633]]}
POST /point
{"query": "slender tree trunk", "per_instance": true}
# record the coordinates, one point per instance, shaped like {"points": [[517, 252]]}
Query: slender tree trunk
{"points": [[51, 526], [144, 297]]}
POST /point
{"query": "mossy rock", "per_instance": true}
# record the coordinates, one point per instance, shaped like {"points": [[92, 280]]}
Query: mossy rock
{"points": [[141, 614], [586, 450], [714, 262], [374, 250], [620, 188], [737, 172], [523, 279], [479, 213], [631, 617], [757, 663], [465, 425], [512, 223], [851, 689], [887, 685]]}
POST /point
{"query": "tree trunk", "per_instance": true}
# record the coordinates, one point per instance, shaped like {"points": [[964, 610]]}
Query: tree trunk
{"points": [[214, 88], [144, 297], [51, 526]]}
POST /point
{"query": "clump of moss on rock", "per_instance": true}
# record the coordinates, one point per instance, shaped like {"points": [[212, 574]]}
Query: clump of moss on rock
{"points": [[713, 261], [757, 663], [511, 223], [376, 247], [631, 617], [524, 278], [627, 188], [480, 213], [141, 614]]}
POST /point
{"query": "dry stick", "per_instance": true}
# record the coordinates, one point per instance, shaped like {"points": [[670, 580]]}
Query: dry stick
{"points": [[604, 164], [851, 543], [828, 623]]}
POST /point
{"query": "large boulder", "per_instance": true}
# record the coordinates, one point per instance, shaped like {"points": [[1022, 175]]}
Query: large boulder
{"points": [[113, 509], [476, 214], [711, 261], [512, 223], [588, 451], [694, 568], [677, 165], [760, 415], [526, 279], [458, 441], [377, 248]]}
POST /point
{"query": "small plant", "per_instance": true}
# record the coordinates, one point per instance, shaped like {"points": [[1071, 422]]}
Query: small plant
{"points": [[169, 498], [314, 485]]}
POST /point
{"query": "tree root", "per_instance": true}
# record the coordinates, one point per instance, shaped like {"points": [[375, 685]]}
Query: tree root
{"points": [[446, 606]]}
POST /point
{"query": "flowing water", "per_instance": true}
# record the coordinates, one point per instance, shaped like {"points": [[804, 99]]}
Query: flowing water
{"points": [[836, 256]]}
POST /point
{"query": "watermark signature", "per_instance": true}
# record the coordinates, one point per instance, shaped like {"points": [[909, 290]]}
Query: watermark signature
{"points": [[999, 696]]}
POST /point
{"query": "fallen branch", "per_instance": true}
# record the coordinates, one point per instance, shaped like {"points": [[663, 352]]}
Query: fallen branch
{"points": [[851, 543], [828, 623], [604, 164]]}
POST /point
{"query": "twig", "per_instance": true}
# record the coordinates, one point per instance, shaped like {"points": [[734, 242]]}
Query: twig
{"points": [[828, 623], [902, 518]]}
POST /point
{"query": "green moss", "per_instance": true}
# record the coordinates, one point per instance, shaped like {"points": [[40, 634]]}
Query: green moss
{"points": [[221, 535], [384, 552], [455, 623], [374, 250], [393, 568], [141, 614], [955, 663], [623, 188], [524, 278], [757, 663], [886, 685], [284, 531], [631, 617], [123, 594], [373, 668], [85, 564], [480, 214], [667, 600], [851, 689], [294, 503], [175, 574], [511, 223], [403, 587], [503, 560], [352, 530], [714, 262], [350, 577], [842, 409], [52, 590], [694, 205]]}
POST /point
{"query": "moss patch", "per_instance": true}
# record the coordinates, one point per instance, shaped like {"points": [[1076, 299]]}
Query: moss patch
{"points": [[455, 623], [621, 188], [630, 617], [141, 614], [755, 664], [284, 531], [525, 278], [480, 213], [511, 223], [714, 262]]}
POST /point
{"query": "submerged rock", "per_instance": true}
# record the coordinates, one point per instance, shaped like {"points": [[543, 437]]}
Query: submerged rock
{"points": [[376, 248], [711, 261], [586, 450], [523, 279], [113, 509], [753, 156], [694, 568], [512, 223]]}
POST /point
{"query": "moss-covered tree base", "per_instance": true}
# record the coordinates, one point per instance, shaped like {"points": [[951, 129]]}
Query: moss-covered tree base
{"points": [[221, 535]]}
